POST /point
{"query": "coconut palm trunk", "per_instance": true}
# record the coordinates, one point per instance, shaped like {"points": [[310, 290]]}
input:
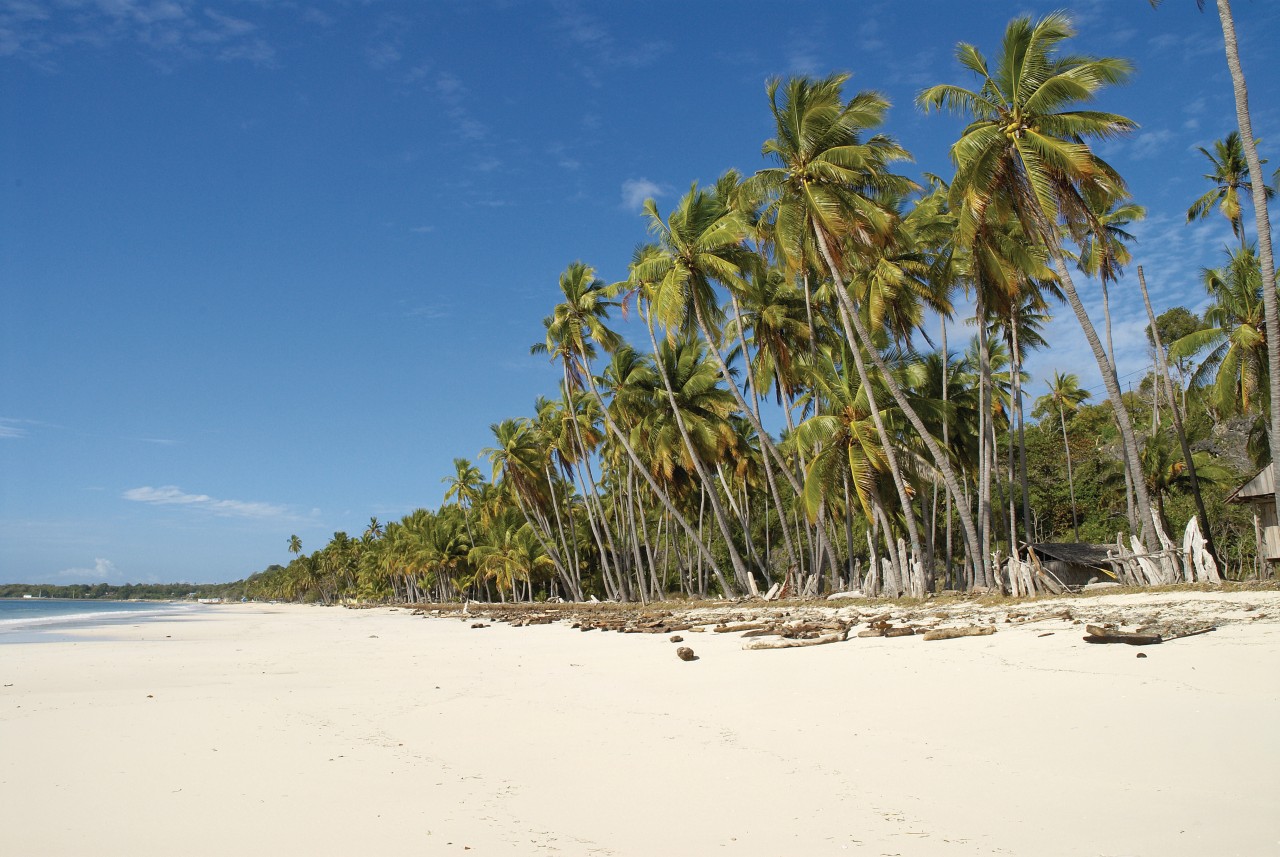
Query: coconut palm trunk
{"points": [[985, 415], [1071, 482], [1152, 532], [717, 510], [1262, 219], [1162, 368], [849, 317], [1016, 355], [665, 500]]}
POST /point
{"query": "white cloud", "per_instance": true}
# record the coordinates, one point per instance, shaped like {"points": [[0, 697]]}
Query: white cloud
{"points": [[636, 191], [172, 495], [1148, 144], [102, 570]]}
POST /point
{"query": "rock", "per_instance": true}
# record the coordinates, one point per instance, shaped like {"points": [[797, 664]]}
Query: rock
{"points": [[677, 639], [1142, 654], [851, 594], [685, 653]]}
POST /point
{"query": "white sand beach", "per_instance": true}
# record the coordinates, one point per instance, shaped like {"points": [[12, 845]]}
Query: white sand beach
{"points": [[274, 729]]}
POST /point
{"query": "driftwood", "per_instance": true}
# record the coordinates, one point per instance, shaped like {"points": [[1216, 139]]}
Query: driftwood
{"points": [[953, 633], [1100, 634], [786, 643], [745, 626]]}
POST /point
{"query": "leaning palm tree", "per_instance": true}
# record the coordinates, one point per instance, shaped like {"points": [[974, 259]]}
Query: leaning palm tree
{"points": [[295, 545], [701, 243], [1024, 154], [828, 196], [574, 328], [1065, 395]]}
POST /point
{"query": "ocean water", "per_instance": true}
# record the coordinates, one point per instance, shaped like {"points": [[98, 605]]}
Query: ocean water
{"points": [[25, 620]]}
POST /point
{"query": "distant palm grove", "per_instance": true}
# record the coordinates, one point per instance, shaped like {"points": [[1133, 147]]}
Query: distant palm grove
{"points": [[783, 424]]}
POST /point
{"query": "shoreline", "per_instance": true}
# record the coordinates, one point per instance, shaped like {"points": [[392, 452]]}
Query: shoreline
{"points": [[279, 728]]}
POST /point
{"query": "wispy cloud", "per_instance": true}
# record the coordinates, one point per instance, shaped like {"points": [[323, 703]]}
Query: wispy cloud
{"points": [[172, 495], [102, 569], [12, 428], [636, 191], [168, 29], [599, 47], [422, 230]]}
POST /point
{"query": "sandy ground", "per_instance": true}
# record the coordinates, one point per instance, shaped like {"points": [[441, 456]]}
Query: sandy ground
{"points": [[293, 730]]}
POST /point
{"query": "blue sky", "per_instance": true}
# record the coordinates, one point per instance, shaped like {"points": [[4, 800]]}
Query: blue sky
{"points": [[268, 267]]}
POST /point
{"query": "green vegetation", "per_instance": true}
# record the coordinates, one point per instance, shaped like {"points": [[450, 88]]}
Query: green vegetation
{"points": [[797, 296]]}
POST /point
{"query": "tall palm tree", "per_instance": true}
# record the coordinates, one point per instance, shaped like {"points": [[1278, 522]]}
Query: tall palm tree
{"points": [[828, 187], [295, 545], [1024, 154], [701, 242], [1262, 217], [1229, 175], [1065, 395], [575, 326]]}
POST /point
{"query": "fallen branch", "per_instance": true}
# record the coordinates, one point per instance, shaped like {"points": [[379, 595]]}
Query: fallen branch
{"points": [[953, 633], [786, 643]]}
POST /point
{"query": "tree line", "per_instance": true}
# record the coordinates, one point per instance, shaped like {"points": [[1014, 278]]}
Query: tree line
{"points": [[797, 297]]}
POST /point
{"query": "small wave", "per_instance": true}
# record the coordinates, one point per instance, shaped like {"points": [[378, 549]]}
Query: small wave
{"points": [[90, 618]]}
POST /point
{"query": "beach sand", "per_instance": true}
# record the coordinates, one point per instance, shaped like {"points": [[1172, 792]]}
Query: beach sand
{"points": [[282, 729]]}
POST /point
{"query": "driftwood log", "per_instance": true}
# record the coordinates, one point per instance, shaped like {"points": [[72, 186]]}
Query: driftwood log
{"points": [[786, 643], [953, 633], [1100, 634]]}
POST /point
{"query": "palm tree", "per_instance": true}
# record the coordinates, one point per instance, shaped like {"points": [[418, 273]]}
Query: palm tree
{"points": [[827, 188], [1104, 253], [295, 545], [573, 328], [1230, 174], [1065, 395], [701, 242], [1262, 217], [1234, 343], [1164, 469], [1024, 154]]}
